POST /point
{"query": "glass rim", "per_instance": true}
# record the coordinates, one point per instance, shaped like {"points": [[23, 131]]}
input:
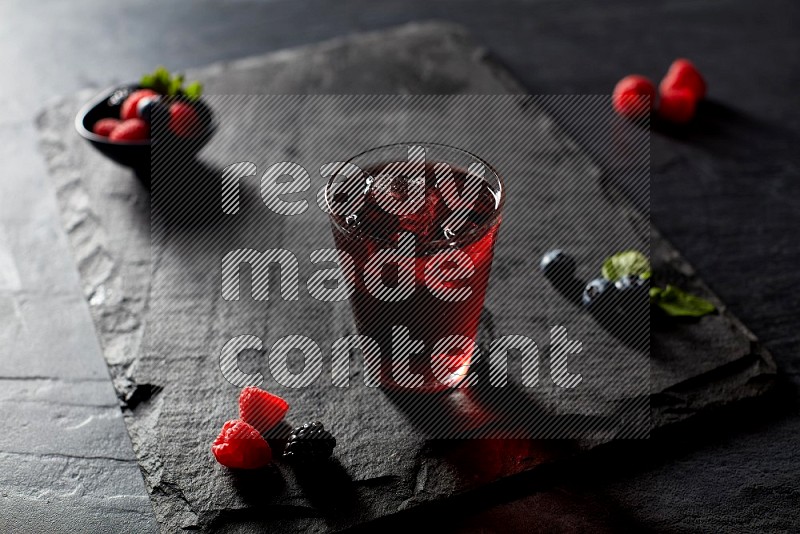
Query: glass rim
{"points": [[471, 236]]}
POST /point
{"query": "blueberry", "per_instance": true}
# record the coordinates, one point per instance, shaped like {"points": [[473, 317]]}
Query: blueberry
{"points": [[596, 291], [557, 264], [145, 107]]}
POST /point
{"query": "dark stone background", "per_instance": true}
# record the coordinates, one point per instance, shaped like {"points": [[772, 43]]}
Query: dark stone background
{"points": [[724, 192]]}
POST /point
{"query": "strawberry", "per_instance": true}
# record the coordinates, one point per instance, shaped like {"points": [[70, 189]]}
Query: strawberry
{"points": [[128, 109], [105, 126], [682, 74], [628, 96], [261, 409], [183, 119], [130, 130], [240, 446], [677, 105]]}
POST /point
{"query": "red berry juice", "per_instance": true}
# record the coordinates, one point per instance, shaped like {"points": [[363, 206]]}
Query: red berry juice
{"points": [[453, 241]]}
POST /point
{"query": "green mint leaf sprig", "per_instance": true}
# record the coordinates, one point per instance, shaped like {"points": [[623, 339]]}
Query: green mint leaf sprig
{"points": [[678, 303], [673, 301], [193, 90], [626, 263], [161, 81]]}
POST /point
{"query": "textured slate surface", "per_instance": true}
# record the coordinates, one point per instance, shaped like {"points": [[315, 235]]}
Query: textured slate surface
{"points": [[106, 219], [64, 450]]}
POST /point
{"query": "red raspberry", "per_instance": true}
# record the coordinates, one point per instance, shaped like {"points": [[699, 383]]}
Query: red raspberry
{"points": [[128, 110], [130, 130], [105, 126], [677, 105], [183, 119], [682, 74], [240, 446], [261, 409], [628, 96]]}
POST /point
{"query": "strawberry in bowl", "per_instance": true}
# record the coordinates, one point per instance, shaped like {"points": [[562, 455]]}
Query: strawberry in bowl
{"points": [[119, 122]]}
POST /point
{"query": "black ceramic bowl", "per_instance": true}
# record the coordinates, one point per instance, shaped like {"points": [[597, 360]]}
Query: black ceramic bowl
{"points": [[136, 154]]}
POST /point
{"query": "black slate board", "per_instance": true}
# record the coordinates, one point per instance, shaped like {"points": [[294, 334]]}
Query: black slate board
{"points": [[106, 214]]}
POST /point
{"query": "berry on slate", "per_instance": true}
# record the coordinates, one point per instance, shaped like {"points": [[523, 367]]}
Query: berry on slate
{"points": [[557, 264], [308, 443], [129, 106], [682, 74], [105, 126], [130, 130], [240, 446], [144, 109], [629, 95], [183, 119], [597, 291], [677, 106], [261, 409]]}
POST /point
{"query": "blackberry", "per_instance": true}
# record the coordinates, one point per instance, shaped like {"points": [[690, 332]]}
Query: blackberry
{"points": [[309, 442], [557, 264]]}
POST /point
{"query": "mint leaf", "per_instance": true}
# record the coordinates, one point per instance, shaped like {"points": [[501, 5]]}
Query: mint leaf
{"points": [[626, 263], [162, 76], [174, 86], [159, 80], [193, 90], [678, 303], [147, 81]]}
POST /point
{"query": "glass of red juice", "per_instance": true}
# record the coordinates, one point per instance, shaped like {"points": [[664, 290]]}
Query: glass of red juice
{"points": [[419, 221]]}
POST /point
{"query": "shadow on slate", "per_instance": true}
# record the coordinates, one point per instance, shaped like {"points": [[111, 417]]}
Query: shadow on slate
{"points": [[183, 189], [717, 128], [192, 193], [634, 332], [364, 484]]}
